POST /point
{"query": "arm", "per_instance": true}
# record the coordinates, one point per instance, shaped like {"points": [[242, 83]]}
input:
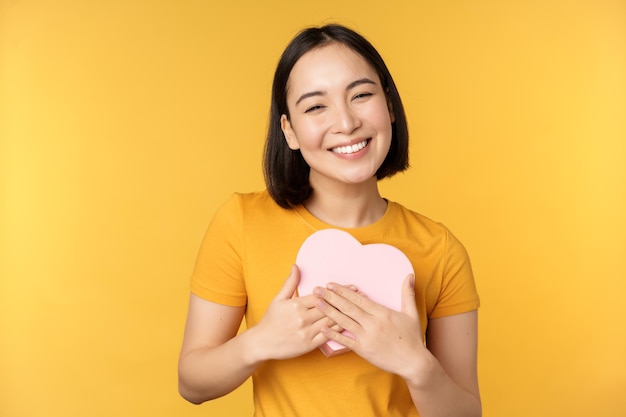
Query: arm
{"points": [[442, 379], [210, 343], [447, 381], [214, 359]]}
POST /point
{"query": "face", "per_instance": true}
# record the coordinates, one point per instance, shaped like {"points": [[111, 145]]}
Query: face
{"points": [[340, 118]]}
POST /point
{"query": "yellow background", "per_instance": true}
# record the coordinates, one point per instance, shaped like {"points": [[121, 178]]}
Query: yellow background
{"points": [[125, 123]]}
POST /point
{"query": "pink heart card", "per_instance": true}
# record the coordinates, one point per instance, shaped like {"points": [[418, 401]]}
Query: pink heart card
{"points": [[377, 269]]}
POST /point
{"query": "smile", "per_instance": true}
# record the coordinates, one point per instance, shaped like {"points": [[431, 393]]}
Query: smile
{"points": [[345, 150]]}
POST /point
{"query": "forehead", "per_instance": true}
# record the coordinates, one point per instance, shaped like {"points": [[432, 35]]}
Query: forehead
{"points": [[331, 65]]}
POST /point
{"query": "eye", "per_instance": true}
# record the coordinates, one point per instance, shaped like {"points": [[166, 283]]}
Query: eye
{"points": [[362, 95], [314, 108]]}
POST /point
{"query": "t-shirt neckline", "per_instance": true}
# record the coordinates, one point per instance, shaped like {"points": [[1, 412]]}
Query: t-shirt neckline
{"points": [[370, 233]]}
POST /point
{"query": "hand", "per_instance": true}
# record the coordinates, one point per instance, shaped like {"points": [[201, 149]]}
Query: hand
{"points": [[388, 339], [291, 325]]}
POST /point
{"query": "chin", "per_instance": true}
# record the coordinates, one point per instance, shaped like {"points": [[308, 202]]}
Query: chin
{"points": [[362, 179]]}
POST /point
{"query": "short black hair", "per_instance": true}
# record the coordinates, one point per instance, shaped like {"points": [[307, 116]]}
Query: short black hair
{"points": [[286, 172]]}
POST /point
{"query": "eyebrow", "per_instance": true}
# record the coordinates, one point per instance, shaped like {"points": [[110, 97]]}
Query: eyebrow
{"points": [[349, 87]]}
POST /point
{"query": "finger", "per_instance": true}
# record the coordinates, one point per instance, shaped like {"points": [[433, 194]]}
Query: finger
{"points": [[334, 315], [340, 337], [408, 297], [326, 322], [332, 325], [329, 298], [346, 300], [311, 314], [336, 327], [290, 285], [357, 291], [314, 314]]}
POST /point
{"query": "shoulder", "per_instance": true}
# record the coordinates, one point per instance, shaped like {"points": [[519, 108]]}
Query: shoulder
{"points": [[423, 232], [443, 268], [246, 202], [252, 211], [251, 200], [256, 204], [416, 222]]}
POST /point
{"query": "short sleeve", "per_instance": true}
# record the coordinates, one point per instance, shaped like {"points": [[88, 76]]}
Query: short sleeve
{"points": [[217, 275], [458, 288]]}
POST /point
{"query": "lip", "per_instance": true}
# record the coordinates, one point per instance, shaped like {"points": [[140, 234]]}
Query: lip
{"points": [[361, 148]]}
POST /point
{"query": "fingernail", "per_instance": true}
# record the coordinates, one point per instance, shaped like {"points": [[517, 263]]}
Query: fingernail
{"points": [[331, 286], [318, 291]]}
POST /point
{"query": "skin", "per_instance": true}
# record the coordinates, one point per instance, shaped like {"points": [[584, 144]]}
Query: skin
{"points": [[335, 99], [441, 377]]}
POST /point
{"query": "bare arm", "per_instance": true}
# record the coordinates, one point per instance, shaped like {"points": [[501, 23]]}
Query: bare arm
{"points": [[214, 359], [446, 382]]}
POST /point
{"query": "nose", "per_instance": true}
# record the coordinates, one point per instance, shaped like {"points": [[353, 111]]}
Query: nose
{"points": [[346, 120]]}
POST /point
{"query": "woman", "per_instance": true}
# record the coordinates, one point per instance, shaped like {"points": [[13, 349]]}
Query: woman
{"points": [[337, 126]]}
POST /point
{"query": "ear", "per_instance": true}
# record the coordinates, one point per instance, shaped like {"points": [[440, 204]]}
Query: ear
{"points": [[290, 135]]}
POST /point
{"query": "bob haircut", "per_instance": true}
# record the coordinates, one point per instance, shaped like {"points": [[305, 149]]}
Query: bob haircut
{"points": [[285, 170]]}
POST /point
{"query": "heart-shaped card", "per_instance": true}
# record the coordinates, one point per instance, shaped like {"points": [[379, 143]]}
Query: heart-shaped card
{"points": [[377, 269]]}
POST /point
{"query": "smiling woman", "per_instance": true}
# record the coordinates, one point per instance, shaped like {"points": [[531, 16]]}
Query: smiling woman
{"points": [[339, 118], [337, 126], [123, 124], [286, 172]]}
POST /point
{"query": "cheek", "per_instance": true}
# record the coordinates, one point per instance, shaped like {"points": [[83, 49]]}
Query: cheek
{"points": [[309, 131], [378, 114], [381, 120]]}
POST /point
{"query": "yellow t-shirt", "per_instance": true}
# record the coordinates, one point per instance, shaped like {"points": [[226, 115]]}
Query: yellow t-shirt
{"points": [[244, 259]]}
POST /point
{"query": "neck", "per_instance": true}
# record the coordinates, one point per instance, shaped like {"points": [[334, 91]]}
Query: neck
{"points": [[355, 205]]}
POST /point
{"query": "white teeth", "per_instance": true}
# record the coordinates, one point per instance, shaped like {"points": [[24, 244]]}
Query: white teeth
{"points": [[350, 149]]}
